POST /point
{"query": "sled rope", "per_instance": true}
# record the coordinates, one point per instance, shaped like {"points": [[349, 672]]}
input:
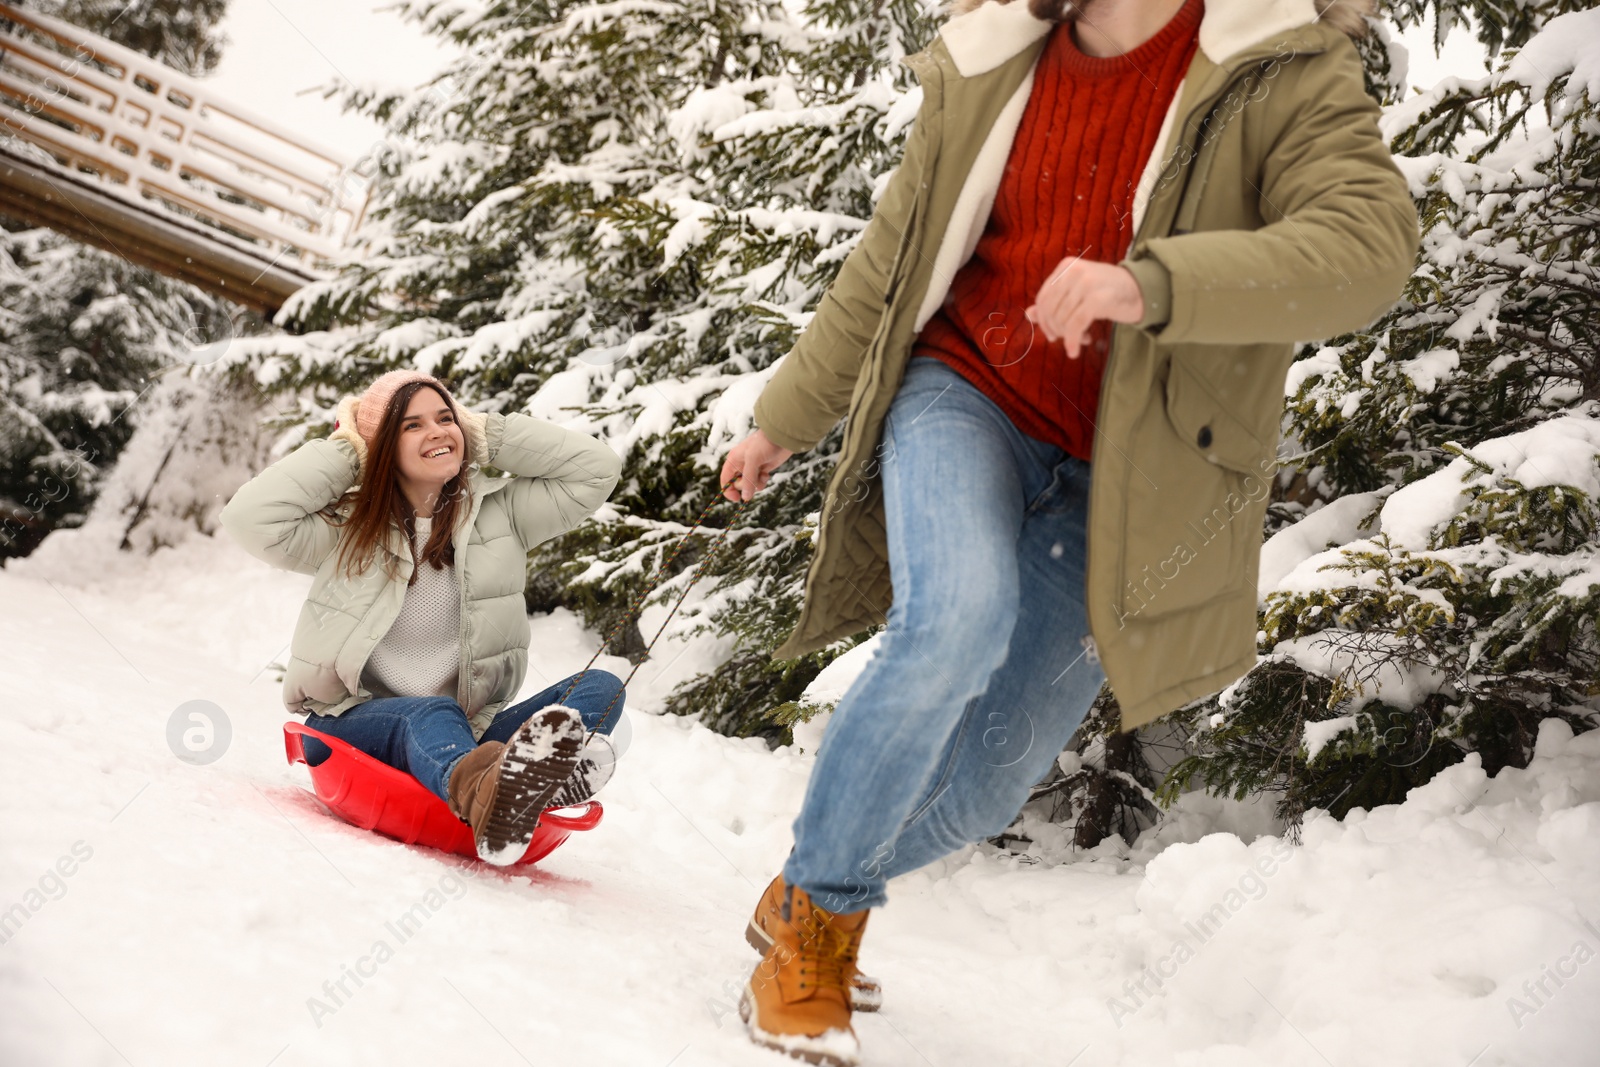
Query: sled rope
{"points": [[649, 588]]}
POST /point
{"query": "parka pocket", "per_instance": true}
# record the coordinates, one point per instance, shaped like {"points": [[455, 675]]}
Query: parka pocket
{"points": [[1209, 426], [1195, 498]]}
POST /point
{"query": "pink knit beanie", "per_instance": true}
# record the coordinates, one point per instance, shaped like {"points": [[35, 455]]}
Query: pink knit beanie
{"points": [[375, 401]]}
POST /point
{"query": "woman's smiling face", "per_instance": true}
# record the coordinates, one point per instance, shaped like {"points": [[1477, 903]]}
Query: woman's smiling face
{"points": [[431, 447]]}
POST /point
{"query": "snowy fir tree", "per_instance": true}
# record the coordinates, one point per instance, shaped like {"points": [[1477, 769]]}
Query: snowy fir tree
{"points": [[182, 34], [84, 338], [625, 214], [84, 333]]}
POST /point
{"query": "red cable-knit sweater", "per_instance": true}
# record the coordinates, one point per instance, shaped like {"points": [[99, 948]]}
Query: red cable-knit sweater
{"points": [[1089, 126]]}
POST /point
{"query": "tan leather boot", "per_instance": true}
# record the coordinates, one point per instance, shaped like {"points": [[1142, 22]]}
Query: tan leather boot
{"points": [[473, 783], [866, 992], [798, 1002]]}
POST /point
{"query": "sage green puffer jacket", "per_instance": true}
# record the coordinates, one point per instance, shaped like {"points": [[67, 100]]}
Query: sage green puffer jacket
{"points": [[561, 477]]}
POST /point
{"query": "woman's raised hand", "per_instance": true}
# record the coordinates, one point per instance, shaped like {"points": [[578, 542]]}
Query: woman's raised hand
{"points": [[344, 428], [752, 462]]}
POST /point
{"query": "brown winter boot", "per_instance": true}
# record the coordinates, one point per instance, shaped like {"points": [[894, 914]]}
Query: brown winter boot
{"points": [[866, 993], [537, 760], [473, 784], [798, 1001], [501, 790]]}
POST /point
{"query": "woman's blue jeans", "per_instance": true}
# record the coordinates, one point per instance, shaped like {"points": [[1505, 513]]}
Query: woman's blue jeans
{"points": [[425, 736], [984, 669]]}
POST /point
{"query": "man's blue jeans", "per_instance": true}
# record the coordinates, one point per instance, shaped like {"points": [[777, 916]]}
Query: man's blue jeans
{"points": [[983, 671], [425, 736]]}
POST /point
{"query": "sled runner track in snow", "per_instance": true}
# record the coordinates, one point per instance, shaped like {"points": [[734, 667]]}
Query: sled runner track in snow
{"points": [[118, 151]]}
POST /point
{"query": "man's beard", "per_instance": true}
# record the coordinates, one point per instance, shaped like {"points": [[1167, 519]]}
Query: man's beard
{"points": [[1056, 10]]}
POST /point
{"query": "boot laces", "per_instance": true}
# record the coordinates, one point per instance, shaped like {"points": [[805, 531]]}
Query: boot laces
{"points": [[829, 954]]}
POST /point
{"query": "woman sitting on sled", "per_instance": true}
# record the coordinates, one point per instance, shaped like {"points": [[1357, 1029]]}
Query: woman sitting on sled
{"points": [[414, 637]]}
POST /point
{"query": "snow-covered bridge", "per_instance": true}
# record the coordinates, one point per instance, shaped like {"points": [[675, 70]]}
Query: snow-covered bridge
{"points": [[121, 152]]}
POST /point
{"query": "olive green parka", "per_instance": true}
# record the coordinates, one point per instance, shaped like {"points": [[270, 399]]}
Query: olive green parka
{"points": [[1270, 213]]}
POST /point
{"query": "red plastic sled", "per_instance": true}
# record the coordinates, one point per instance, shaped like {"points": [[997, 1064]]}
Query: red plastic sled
{"points": [[375, 796]]}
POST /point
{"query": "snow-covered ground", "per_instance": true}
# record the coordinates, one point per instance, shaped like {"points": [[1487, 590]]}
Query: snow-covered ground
{"points": [[159, 912]]}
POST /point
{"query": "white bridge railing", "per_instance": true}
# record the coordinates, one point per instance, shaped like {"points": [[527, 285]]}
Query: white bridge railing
{"points": [[161, 142]]}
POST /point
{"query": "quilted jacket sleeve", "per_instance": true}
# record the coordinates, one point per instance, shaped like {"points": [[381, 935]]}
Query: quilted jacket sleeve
{"points": [[274, 515], [562, 475]]}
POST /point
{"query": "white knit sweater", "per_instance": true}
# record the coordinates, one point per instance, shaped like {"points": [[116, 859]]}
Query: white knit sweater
{"points": [[421, 653]]}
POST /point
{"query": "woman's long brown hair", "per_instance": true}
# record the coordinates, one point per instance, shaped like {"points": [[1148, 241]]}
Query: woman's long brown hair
{"points": [[380, 505]]}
